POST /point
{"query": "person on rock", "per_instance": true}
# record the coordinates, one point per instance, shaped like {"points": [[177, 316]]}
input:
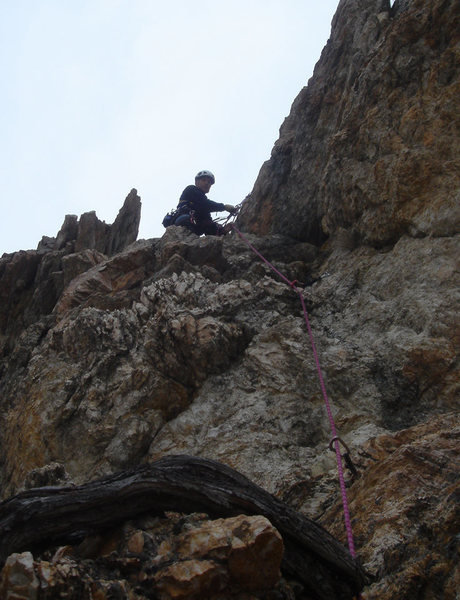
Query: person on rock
{"points": [[194, 208]]}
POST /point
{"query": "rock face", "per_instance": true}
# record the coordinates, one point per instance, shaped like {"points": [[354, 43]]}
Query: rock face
{"points": [[411, 494], [186, 345], [372, 143]]}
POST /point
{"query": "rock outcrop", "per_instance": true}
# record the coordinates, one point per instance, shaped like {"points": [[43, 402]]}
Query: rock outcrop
{"points": [[175, 558], [89, 233], [372, 143], [31, 282], [115, 355]]}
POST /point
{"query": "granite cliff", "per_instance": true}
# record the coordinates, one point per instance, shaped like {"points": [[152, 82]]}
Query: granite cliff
{"points": [[116, 352]]}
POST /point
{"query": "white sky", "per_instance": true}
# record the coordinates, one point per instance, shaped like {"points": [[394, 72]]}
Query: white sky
{"points": [[102, 96]]}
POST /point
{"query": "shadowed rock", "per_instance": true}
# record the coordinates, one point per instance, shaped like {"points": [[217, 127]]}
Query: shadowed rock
{"points": [[185, 484]]}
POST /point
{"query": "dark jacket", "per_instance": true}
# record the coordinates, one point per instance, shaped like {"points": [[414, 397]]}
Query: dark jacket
{"points": [[192, 198]]}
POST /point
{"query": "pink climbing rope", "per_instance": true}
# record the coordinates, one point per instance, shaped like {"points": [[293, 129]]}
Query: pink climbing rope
{"points": [[335, 438]]}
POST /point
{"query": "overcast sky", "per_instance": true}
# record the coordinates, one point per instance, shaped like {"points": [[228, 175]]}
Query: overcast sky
{"points": [[102, 96]]}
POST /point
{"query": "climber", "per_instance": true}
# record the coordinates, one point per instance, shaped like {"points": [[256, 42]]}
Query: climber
{"points": [[194, 208]]}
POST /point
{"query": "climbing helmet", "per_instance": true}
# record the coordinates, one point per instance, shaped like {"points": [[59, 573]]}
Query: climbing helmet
{"points": [[206, 174]]}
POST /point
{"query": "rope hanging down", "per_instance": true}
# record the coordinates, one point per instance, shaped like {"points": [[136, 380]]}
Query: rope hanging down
{"points": [[335, 438]]}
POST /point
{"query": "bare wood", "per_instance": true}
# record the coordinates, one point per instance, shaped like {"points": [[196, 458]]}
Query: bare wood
{"points": [[184, 484]]}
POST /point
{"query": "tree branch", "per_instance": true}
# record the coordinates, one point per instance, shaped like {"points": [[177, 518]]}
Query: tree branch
{"points": [[183, 484]]}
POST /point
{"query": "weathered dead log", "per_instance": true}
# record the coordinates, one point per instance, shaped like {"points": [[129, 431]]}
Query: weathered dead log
{"points": [[55, 515]]}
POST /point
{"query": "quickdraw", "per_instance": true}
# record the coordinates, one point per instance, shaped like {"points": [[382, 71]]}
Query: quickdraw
{"points": [[346, 456]]}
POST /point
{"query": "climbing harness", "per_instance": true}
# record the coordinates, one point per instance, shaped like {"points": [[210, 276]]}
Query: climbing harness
{"points": [[222, 223], [336, 440]]}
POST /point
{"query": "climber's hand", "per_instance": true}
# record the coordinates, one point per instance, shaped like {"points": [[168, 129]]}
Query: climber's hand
{"points": [[231, 209]]}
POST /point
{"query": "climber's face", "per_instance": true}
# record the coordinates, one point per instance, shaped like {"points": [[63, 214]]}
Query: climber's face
{"points": [[204, 183]]}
